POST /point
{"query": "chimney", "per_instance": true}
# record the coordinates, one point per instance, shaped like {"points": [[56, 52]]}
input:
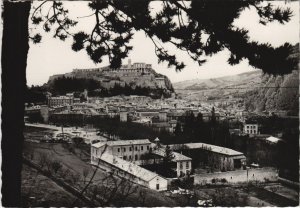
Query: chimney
{"points": [[129, 63]]}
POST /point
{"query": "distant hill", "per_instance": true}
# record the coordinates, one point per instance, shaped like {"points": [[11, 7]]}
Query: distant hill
{"points": [[240, 80], [259, 91], [136, 79]]}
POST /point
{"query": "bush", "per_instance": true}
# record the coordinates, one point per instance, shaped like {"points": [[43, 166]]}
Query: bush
{"points": [[56, 166], [223, 180]]}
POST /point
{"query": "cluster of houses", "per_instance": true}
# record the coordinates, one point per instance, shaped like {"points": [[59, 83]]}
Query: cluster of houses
{"points": [[159, 114], [125, 158]]}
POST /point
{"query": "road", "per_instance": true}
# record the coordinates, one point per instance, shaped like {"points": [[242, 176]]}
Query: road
{"points": [[45, 126]]}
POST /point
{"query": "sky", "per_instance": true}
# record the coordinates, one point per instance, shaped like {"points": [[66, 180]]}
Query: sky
{"points": [[53, 56]]}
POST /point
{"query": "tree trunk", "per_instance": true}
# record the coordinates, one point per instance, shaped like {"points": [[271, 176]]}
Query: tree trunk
{"points": [[14, 60]]}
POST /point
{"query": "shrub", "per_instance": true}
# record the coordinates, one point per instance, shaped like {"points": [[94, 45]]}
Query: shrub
{"points": [[56, 166], [223, 180]]}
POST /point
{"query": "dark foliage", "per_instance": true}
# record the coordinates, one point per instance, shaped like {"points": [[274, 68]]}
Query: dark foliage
{"points": [[124, 130], [275, 124], [288, 160], [184, 25], [35, 117], [64, 85], [35, 94]]}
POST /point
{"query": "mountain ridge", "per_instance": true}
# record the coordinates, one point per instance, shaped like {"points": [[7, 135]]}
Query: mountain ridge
{"points": [[210, 83]]}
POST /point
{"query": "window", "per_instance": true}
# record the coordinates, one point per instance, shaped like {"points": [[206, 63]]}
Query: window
{"points": [[124, 157], [135, 148], [187, 165], [136, 157], [118, 149], [147, 147], [124, 149], [130, 157], [142, 147], [157, 186], [181, 166], [130, 149]]}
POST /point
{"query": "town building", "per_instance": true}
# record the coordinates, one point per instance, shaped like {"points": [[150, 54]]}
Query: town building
{"points": [[251, 129], [224, 159], [129, 171], [183, 163], [123, 116], [60, 100], [134, 69], [130, 150], [123, 157]]}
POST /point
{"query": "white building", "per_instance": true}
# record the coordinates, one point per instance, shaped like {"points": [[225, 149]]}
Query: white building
{"points": [[122, 158], [130, 171], [183, 163], [251, 129]]}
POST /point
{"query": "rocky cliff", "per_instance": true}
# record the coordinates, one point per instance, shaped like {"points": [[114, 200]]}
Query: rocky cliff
{"points": [[107, 79], [277, 93]]}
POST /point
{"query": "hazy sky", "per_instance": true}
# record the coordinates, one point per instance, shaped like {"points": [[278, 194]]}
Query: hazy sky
{"points": [[53, 56]]}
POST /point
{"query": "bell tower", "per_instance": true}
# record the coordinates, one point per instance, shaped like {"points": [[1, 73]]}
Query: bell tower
{"points": [[129, 63]]}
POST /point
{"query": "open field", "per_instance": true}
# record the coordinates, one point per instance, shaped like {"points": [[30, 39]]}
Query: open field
{"points": [[38, 190]]}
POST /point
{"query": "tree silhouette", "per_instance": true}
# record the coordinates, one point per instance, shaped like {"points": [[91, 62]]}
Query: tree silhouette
{"points": [[198, 27]]}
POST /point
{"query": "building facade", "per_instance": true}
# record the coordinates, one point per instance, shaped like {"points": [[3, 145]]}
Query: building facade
{"points": [[251, 129], [123, 158], [60, 101], [129, 150]]}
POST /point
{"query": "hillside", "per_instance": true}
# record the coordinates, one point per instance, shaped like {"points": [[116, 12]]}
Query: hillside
{"points": [[259, 91], [279, 93], [240, 80], [137, 78], [275, 94]]}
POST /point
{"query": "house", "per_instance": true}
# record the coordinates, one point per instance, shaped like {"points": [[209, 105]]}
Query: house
{"points": [[183, 163], [251, 129], [130, 150], [225, 159]]}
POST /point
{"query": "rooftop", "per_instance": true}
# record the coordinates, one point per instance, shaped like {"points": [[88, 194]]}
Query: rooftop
{"points": [[122, 142], [273, 139], [129, 167], [213, 148], [177, 156]]}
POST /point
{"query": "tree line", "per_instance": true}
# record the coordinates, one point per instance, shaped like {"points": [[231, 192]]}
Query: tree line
{"points": [[63, 85]]}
